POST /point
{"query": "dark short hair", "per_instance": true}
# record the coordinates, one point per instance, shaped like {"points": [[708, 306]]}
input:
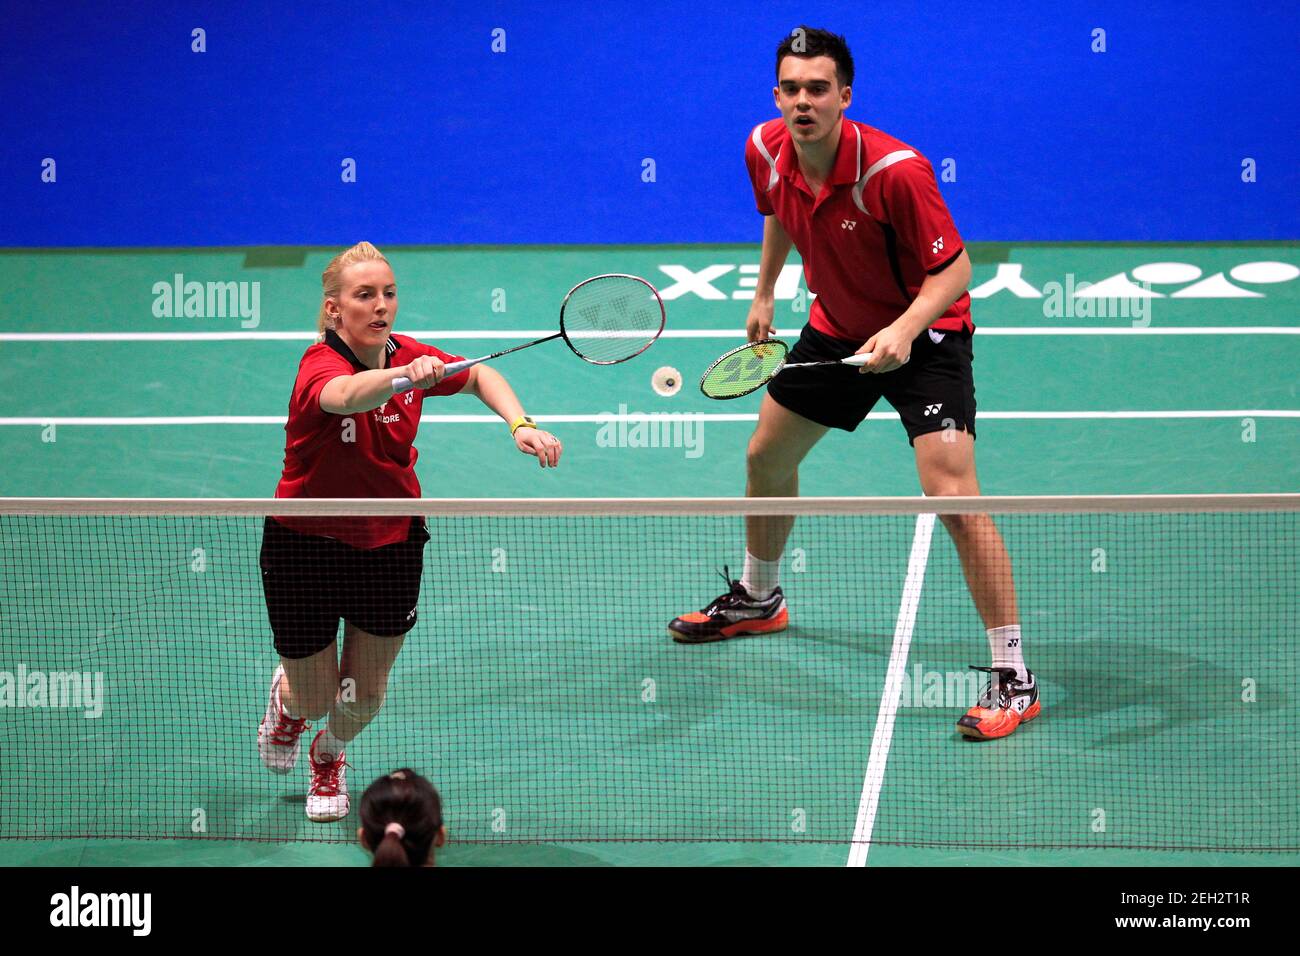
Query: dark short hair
{"points": [[814, 42]]}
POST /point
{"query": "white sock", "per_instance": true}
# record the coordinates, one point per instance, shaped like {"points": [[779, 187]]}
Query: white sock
{"points": [[1007, 649], [761, 577], [328, 746]]}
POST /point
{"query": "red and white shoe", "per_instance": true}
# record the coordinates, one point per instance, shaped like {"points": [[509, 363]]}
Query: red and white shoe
{"points": [[279, 736], [327, 797]]}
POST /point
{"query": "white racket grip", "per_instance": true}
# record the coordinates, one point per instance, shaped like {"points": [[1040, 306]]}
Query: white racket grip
{"points": [[403, 384], [862, 358]]}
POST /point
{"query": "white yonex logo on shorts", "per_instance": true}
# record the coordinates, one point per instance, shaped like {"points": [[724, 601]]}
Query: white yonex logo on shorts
{"points": [[933, 409], [848, 223]]}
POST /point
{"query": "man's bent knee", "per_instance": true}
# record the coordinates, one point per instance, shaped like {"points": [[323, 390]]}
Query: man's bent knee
{"points": [[962, 526], [767, 464]]}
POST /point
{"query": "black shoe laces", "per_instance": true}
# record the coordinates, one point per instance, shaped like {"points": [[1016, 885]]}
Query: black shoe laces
{"points": [[1005, 677], [736, 594]]}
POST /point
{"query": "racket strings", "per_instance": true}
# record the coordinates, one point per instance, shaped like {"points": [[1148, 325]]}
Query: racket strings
{"points": [[743, 370], [612, 318]]}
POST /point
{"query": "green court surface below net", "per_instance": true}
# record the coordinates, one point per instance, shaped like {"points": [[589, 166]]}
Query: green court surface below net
{"points": [[542, 694]]}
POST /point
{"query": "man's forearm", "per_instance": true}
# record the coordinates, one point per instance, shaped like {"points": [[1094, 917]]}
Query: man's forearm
{"points": [[776, 249], [938, 291]]}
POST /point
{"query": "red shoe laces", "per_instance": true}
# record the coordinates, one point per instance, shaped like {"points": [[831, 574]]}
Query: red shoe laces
{"points": [[288, 729], [325, 777]]}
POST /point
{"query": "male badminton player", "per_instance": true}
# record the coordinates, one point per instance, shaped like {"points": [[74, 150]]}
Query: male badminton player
{"points": [[890, 272], [349, 436]]}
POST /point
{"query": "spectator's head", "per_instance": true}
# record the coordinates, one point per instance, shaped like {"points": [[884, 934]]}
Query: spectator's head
{"points": [[401, 820]]}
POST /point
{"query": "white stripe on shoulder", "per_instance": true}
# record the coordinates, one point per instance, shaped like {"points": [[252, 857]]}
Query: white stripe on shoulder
{"points": [[757, 137], [857, 172], [897, 156]]}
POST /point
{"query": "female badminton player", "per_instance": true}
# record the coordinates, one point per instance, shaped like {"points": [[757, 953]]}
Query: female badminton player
{"points": [[350, 436]]}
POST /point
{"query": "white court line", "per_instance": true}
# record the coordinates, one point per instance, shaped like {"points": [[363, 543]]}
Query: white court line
{"points": [[604, 417], [893, 690], [484, 334]]}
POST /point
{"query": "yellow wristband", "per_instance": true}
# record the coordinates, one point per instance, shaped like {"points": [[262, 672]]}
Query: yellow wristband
{"points": [[523, 421]]}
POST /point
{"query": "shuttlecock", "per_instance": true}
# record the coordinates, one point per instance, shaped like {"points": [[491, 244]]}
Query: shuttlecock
{"points": [[666, 381]]}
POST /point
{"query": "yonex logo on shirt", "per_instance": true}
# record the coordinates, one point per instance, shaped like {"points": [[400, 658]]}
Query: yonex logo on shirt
{"points": [[937, 245], [848, 223], [933, 409]]}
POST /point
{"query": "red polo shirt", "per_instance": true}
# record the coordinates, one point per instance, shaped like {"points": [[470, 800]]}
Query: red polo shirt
{"points": [[871, 236], [363, 455]]}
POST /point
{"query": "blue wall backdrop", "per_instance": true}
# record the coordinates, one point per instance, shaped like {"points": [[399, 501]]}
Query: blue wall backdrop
{"points": [[545, 142]]}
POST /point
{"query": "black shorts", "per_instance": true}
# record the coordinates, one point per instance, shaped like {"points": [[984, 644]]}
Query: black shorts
{"points": [[311, 582], [934, 391]]}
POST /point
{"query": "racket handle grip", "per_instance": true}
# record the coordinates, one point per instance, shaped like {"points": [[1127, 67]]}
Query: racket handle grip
{"points": [[863, 358], [455, 367], [403, 384]]}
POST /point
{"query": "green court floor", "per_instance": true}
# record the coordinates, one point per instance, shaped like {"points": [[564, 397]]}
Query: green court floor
{"points": [[1198, 394]]}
